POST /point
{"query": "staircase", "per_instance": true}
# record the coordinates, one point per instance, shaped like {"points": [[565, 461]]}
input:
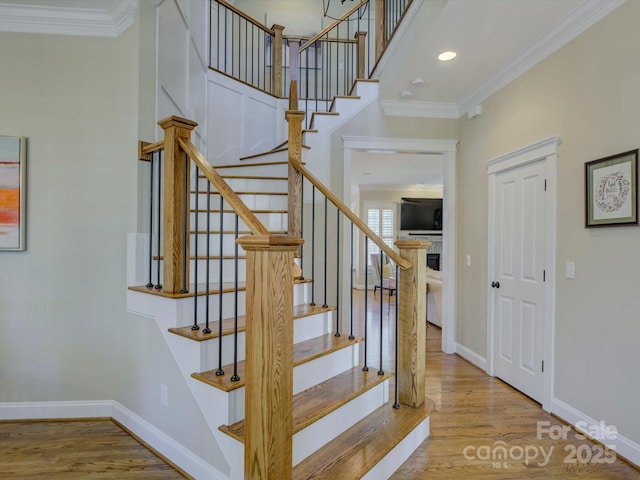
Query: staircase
{"points": [[346, 421]]}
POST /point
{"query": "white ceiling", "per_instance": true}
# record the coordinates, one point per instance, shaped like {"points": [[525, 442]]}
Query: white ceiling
{"points": [[496, 41]]}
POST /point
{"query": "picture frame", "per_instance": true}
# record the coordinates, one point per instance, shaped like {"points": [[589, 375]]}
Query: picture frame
{"points": [[13, 193], [611, 190]]}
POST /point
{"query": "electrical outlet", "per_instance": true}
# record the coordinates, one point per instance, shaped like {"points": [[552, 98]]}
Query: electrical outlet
{"points": [[164, 395], [468, 260]]}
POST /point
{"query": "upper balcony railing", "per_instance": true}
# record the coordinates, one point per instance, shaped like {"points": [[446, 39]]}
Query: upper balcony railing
{"points": [[325, 65]]}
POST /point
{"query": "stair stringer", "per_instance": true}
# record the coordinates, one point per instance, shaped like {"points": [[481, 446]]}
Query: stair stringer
{"points": [[164, 312]]}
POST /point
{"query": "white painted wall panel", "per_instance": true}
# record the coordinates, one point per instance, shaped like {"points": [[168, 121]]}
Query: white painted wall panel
{"points": [[172, 54]]}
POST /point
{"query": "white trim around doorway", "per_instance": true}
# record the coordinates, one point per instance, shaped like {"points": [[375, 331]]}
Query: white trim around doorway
{"points": [[448, 150]]}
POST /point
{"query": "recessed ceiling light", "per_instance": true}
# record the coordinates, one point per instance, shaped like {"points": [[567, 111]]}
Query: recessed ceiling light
{"points": [[446, 56], [417, 82], [406, 94]]}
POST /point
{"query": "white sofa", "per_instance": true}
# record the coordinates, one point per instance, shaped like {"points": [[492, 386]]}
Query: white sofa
{"points": [[434, 297]]}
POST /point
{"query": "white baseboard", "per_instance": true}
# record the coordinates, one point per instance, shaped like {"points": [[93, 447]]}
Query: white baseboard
{"points": [[55, 410], [151, 435], [471, 357], [629, 449]]}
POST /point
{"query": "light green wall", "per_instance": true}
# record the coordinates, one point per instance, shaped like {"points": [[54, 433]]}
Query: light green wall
{"points": [[66, 334], [587, 94]]}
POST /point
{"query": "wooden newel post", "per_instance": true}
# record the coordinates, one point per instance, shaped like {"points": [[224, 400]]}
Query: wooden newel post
{"points": [[269, 359], [362, 50], [175, 271], [276, 61], [412, 334], [295, 118], [381, 27]]}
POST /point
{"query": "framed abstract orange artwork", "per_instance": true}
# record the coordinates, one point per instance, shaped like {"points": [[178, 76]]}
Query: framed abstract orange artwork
{"points": [[12, 193]]}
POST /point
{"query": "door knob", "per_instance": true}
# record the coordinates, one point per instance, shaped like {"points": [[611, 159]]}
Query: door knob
{"points": [[495, 284]]}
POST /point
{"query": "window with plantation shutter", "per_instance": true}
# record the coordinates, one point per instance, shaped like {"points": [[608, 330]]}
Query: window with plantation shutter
{"points": [[381, 220]]}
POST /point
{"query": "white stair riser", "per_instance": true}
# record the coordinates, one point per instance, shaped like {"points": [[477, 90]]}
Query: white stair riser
{"points": [[255, 185], [316, 435], [252, 201], [228, 245], [185, 317], [313, 326], [315, 373], [277, 170], [228, 270], [336, 363], [272, 221]]}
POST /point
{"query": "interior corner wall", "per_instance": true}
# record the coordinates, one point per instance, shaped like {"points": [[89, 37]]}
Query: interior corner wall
{"points": [[66, 334], [587, 94]]}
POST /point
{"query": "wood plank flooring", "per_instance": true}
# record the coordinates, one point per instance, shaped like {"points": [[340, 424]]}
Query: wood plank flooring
{"points": [[76, 450], [473, 412]]}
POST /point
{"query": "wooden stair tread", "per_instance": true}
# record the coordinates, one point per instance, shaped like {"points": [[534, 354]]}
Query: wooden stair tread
{"points": [[232, 232], [254, 177], [256, 164], [299, 311], [211, 257], [217, 210], [241, 193], [214, 288], [303, 352], [320, 400], [354, 452]]}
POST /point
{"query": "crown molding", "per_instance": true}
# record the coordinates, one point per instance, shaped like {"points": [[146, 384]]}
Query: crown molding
{"points": [[587, 14], [110, 21], [397, 108]]}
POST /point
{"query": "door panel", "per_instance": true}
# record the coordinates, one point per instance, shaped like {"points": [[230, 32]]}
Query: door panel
{"points": [[519, 256]]}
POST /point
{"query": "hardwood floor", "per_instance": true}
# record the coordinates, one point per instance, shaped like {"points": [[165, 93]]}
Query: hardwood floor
{"points": [[76, 450], [475, 415]]}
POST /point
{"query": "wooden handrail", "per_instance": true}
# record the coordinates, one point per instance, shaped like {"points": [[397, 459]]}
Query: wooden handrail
{"points": [[246, 215], [347, 212], [245, 16], [331, 26], [153, 147]]}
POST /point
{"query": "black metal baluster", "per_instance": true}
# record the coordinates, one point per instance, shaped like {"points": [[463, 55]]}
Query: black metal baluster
{"points": [[337, 334], [150, 282], [185, 230], [235, 377], [207, 260], [326, 241], [246, 53], [397, 342], [313, 245], [302, 228], [158, 285], [220, 371], [225, 39], [366, 295], [351, 337], [195, 325], [381, 371]]}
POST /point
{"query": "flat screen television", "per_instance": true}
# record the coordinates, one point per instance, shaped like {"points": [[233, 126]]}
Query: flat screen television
{"points": [[421, 214]]}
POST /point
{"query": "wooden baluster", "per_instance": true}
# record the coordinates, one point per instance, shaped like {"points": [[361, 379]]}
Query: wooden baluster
{"points": [[362, 50], [276, 61], [176, 175], [269, 358], [412, 330]]}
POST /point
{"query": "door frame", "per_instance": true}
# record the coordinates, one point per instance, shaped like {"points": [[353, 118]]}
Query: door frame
{"points": [[547, 151], [448, 150]]}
